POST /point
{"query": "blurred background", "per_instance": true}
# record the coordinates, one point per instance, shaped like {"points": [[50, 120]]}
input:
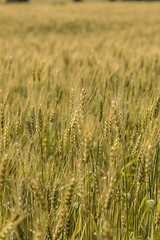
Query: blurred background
{"points": [[65, 1]]}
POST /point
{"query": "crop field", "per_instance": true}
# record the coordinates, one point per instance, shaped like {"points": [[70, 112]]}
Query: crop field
{"points": [[80, 121]]}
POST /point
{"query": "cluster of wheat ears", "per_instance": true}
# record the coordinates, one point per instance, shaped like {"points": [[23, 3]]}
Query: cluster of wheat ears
{"points": [[79, 123]]}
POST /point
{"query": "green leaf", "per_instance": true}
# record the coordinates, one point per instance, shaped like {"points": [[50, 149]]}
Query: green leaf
{"points": [[83, 232], [77, 228], [95, 227]]}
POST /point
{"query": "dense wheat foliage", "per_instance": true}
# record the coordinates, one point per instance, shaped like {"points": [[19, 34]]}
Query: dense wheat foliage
{"points": [[80, 121]]}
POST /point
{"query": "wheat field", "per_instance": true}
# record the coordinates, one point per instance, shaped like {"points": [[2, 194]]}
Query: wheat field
{"points": [[80, 121]]}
